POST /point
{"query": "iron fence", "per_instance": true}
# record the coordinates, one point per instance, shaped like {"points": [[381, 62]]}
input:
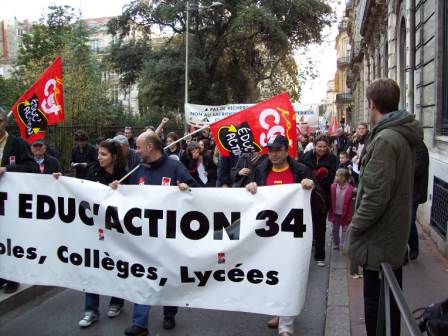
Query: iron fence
{"points": [[60, 136]]}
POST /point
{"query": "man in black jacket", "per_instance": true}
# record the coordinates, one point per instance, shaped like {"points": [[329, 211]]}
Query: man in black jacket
{"points": [[45, 163], [14, 157], [282, 169], [83, 154], [420, 194]]}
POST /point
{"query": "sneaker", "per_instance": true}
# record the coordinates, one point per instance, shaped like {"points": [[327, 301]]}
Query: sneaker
{"points": [[335, 247], [320, 263], [11, 287], [136, 331], [88, 319], [114, 311], [356, 276], [169, 322]]}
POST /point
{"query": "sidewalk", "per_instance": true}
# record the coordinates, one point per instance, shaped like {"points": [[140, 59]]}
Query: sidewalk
{"points": [[424, 282]]}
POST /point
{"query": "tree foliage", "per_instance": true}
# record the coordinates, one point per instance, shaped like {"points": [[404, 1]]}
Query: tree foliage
{"points": [[237, 53], [62, 33]]}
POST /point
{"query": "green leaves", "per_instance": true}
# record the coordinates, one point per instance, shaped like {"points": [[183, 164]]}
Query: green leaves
{"points": [[239, 53], [61, 32]]}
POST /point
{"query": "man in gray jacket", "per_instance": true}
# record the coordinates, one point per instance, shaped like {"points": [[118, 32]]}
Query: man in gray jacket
{"points": [[380, 227]]}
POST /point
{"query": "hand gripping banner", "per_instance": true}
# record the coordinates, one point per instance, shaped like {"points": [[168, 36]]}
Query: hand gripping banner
{"points": [[249, 130], [41, 105], [226, 250]]}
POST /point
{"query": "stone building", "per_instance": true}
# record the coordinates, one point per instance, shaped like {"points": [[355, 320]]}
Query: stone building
{"points": [[11, 32], [100, 41], [344, 96], [407, 40]]}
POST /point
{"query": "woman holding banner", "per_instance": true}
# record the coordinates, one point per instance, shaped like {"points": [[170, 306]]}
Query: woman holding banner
{"points": [[110, 167]]}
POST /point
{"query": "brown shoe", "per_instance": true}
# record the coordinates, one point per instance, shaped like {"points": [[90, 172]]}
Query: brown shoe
{"points": [[273, 322]]}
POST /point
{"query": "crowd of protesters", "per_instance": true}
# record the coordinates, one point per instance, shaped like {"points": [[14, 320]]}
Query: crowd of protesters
{"points": [[329, 165]]}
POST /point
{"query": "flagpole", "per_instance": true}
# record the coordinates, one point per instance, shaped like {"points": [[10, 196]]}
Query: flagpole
{"points": [[171, 144], [9, 114]]}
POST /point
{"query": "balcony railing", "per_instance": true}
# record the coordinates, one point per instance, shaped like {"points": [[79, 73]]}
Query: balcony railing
{"points": [[361, 17], [348, 5], [356, 52], [343, 26], [343, 61], [344, 98]]}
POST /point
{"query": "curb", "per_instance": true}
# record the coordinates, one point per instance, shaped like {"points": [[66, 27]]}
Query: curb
{"points": [[338, 309], [21, 297]]}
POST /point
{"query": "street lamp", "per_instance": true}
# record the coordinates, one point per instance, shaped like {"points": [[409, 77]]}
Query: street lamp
{"points": [[215, 5]]}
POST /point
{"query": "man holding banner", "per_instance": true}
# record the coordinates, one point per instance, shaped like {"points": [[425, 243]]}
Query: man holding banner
{"points": [[280, 169], [156, 169], [15, 156]]}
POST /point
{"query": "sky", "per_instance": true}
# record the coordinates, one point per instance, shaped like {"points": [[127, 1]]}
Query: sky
{"points": [[323, 56]]}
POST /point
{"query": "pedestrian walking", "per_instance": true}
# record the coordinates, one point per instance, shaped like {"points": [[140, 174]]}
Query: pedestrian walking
{"points": [[420, 194], [109, 167], [278, 169], [15, 156], [323, 166], [341, 209], [379, 230], [156, 169]]}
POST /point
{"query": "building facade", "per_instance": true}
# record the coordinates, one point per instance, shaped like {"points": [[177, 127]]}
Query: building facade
{"points": [[344, 97], [11, 32], [100, 41], [407, 40]]}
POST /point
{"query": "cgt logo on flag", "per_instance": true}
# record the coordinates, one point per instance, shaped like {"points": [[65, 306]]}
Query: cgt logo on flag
{"points": [[249, 130], [34, 120], [41, 105], [238, 139]]}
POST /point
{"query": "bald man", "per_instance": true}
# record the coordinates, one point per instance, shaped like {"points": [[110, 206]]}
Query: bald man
{"points": [[156, 169]]}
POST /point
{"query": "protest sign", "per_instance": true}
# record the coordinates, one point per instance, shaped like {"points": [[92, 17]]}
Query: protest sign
{"points": [[226, 250]]}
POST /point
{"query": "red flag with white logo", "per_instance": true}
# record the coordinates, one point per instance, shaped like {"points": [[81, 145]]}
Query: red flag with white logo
{"points": [[42, 104], [249, 130]]}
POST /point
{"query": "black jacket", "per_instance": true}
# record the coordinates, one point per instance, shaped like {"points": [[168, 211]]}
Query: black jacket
{"points": [[192, 167], [244, 161], [329, 163], [97, 174], [88, 154], [225, 165], [300, 172], [132, 143], [421, 174], [16, 149], [164, 171], [50, 165]]}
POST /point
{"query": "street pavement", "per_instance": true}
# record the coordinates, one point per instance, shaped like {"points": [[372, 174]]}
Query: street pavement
{"points": [[58, 312], [424, 282]]}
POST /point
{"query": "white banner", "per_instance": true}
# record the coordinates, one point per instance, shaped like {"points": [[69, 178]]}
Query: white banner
{"points": [[201, 115], [226, 250]]}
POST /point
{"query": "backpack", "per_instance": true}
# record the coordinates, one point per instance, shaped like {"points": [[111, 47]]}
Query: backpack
{"points": [[434, 319]]}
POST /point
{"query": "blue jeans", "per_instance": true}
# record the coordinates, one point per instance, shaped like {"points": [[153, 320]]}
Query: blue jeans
{"points": [[93, 303], [141, 312]]}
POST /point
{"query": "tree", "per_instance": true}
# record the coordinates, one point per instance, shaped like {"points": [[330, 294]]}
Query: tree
{"points": [[232, 51], [63, 33]]}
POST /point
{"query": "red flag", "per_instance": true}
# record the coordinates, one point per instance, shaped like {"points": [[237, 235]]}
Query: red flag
{"points": [[42, 104], [249, 130], [334, 126]]}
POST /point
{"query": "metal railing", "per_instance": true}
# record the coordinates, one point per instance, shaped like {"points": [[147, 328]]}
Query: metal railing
{"points": [[343, 61], [344, 98], [389, 284]]}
